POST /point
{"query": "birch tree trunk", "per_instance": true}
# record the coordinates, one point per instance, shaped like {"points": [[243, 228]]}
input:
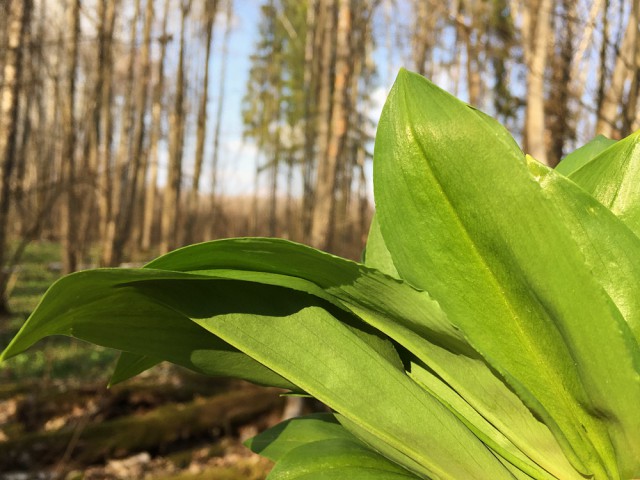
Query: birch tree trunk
{"points": [[325, 179], [535, 33], [135, 163], [201, 125], [120, 176], [171, 205], [310, 95], [156, 128], [220, 109], [18, 19], [69, 212], [560, 122], [610, 110], [105, 180]]}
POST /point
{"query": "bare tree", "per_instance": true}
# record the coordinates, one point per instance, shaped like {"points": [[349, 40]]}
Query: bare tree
{"points": [[69, 218], [120, 175], [135, 163], [18, 19], [211, 7], [156, 128], [324, 209], [171, 203], [626, 67], [326, 44], [535, 35], [220, 109]]}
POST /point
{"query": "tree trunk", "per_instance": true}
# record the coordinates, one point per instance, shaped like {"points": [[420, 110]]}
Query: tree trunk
{"points": [[324, 212], [423, 34], [559, 115], [310, 125], [156, 128], [171, 206], [535, 32], [219, 112], [121, 177], [19, 18], [105, 160], [135, 164], [201, 129], [69, 218], [612, 99], [319, 219]]}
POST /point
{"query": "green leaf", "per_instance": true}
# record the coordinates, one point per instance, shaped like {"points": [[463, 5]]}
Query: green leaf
{"points": [[512, 420], [376, 253], [129, 365], [279, 440], [397, 315], [583, 155], [299, 339], [611, 251], [476, 234], [467, 375], [92, 306], [613, 178], [379, 445], [336, 459], [342, 282]]}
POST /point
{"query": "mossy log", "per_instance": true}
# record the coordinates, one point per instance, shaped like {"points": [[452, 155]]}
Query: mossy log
{"points": [[151, 431]]}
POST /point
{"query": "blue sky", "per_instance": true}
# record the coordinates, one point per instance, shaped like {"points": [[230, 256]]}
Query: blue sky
{"points": [[237, 158]]}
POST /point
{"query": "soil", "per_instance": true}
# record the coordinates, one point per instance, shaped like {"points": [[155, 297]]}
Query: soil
{"points": [[167, 425]]}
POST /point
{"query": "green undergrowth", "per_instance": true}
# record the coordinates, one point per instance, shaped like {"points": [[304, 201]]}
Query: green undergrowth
{"points": [[59, 358]]}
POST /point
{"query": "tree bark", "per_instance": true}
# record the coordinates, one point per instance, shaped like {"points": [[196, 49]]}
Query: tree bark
{"points": [[201, 125], [135, 163], [325, 179], [310, 125], [69, 218], [219, 112], [19, 18], [171, 206], [328, 171], [156, 129], [612, 100], [105, 160], [535, 32], [121, 177], [558, 112]]}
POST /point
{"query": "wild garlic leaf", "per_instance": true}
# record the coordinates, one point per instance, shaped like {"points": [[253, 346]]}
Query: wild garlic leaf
{"points": [[476, 234]]}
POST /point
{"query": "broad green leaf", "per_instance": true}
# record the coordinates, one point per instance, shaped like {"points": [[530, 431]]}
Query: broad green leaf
{"points": [[91, 306], [376, 254], [341, 282], [309, 346], [380, 446], [613, 178], [547, 452], [583, 155], [336, 459], [279, 440], [129, 365], [469, 376], [612, 251], [475, 234], [400, 319]]}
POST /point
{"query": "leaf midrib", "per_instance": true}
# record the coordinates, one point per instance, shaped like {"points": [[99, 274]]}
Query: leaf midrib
{"points": [[521, 331]]}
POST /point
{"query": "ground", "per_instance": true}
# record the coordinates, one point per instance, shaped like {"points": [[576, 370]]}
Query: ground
{"points": [[58, 419]]}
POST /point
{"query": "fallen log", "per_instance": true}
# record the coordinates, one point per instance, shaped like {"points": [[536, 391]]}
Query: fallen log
{"points": [[85, 443]]}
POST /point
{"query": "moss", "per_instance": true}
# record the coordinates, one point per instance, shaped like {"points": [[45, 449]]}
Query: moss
{"points": [[151, 431]]}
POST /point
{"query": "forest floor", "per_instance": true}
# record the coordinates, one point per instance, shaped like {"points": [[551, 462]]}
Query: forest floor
{"points": [[58, 419]]}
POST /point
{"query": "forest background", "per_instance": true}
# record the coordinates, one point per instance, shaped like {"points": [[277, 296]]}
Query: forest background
{"points": [[129, 128], [123, 128]]}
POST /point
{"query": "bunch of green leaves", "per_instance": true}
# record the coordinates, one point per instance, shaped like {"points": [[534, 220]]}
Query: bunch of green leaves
{"points": [[491, 333]]}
